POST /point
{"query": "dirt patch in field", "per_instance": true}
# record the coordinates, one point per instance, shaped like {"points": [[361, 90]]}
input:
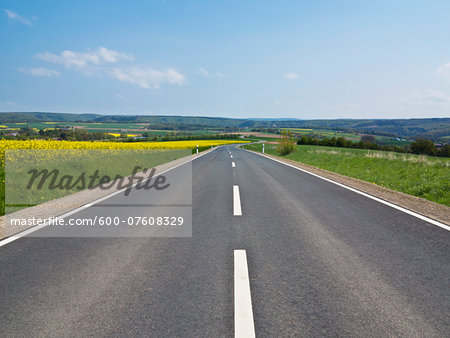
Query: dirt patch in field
{"points": [[419, 205]]}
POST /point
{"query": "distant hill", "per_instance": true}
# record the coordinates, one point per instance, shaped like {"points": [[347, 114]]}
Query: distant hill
{"points": [[46, 117], [429, 128]]}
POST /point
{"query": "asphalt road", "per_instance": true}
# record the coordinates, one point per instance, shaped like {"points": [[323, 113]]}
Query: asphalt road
{"points": [[322, 261]]}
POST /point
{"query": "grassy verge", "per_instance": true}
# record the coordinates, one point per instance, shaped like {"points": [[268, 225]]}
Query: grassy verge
{"points": [[2, 191], [422, 176]]}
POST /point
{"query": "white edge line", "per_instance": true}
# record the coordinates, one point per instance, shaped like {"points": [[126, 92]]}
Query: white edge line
{"points": [[237, 210], [243, 312], [392, 205], [74, 211]]}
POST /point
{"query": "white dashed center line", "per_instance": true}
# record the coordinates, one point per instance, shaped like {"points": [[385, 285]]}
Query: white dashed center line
{"points": [[243, 312], [237, 211]]}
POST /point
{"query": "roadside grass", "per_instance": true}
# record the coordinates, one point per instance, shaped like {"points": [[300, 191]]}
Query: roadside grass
{"points": [[422, 176]]}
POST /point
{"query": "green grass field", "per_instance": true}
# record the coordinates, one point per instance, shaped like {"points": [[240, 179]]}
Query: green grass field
{"points": [[423, 176], [324, 133], [349, 136], [104, 127]]}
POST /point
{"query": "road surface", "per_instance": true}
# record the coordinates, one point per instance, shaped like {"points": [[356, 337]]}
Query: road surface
{"points": [[321, 261]]}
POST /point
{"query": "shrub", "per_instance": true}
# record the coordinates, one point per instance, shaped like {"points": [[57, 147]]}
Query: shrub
{"points": [[286, 144]]}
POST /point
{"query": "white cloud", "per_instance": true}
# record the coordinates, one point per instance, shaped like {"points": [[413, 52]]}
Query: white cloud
{"points": [[445, 70], [81, 60], [10, 103], [100, 61], [14, 16], [429, 97], [291, 76], [203, 71], [148, 77], [113, 56], [429, 102], [121, 97], [40, 72]]}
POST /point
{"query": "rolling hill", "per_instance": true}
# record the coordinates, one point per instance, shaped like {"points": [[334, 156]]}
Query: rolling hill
{"points": [[437, 129]]}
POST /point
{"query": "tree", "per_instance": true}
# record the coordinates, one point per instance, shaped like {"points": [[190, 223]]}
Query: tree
{"points": [[303, 140], [368, 139], [423, 147], [341, 142], [445, 151]]}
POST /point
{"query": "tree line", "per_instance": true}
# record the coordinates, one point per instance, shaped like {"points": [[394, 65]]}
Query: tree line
{"points": [[65, 134], [420, 146]]}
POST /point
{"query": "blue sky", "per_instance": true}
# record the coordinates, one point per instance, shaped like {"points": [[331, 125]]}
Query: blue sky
{"points": [[298, 59]]}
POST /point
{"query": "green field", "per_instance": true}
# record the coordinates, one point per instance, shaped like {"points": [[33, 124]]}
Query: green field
{"points": [[324, 133], [321, 133], [258, 138], [137, 128], [417, 175]]}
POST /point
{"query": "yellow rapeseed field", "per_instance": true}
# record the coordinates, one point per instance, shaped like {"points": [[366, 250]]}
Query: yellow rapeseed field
{"points": [[52, 144], [118, 135]]}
